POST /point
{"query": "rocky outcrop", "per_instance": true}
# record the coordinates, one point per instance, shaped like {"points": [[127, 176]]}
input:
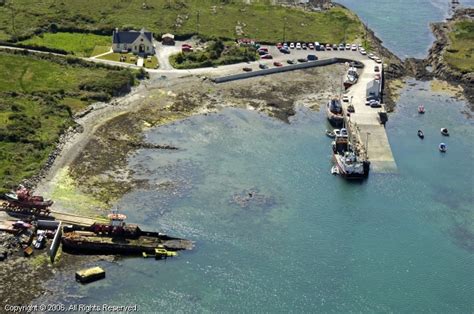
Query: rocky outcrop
{"points": [[439, 67]]}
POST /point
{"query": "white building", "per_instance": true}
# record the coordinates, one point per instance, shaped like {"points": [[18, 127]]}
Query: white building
{"points": [[132, 41]]}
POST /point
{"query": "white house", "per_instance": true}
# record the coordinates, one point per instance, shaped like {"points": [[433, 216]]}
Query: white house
{"points": [[132, 41]]}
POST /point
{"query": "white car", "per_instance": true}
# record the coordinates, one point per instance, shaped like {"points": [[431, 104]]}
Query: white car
{"points": [[362, 51], [348, 46], [378, 60], [354, 47], [371, 55], [292, 45], [345, 98], [310, 46], [298, 46]]}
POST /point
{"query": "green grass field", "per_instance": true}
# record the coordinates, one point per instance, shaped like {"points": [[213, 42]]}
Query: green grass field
{"points": [[259, 20], [460, 53], [38, 95], [79, 44]]}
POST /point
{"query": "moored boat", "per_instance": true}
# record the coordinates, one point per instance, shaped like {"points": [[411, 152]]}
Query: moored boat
{"points": [[350, 167], [23, 198], [421, 109], [330, 134], [351, 78], [443, 147], [444, 132], [420, 134], [334, 112]]}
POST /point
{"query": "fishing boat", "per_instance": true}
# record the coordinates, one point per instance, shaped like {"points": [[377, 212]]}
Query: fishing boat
{"points": [[444, 132], [421, 109], [350, 167], [420, 134], [443, 147], [347, 163], [334, 112], [351, 77], [23, 199]]}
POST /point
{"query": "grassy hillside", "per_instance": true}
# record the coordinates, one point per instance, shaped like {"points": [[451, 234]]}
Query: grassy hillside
{"points": [[260, 20], [80, 44], [38, 95], [460, 53]]}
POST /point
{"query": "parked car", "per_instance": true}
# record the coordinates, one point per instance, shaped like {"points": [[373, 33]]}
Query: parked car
{"points": [[290, 61], [262, 52], [310, 46], [354, 47], [20, 224], [328, 47], [348, 46], [312, 58], [285, 50], [374, 103], [277, 64], [321, 48], [345, 98], [298, 45], [263, 66], [279, 45], [292, 45], [316, 45], [371, 55], [40, 241], [302, 60], [303, 45], [285, 45], [267, 56], [377, 76], [342, 47], [263, 49], [247, 69], [378, 60], [376, 68]]}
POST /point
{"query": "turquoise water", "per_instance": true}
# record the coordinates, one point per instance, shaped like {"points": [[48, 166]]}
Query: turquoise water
{"points": [[313, 242], [306, 241], [403, 25]]}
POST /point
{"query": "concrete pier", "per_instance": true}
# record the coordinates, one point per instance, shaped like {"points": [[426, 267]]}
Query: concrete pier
{"points": [[366, 120]]}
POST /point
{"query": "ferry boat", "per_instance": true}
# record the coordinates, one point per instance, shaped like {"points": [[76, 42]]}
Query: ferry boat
{"points": [[334, 112]]}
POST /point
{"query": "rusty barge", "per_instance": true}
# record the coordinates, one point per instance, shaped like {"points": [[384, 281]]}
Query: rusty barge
{"points": [[117, 237]]}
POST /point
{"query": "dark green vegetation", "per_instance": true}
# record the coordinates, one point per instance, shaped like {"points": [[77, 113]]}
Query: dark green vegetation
{"points": [[80, 44], [460, 53], [216, 53], [20, 19], [38, 96]]}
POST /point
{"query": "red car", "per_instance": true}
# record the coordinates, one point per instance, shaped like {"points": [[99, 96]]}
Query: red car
{"points": [[279, 45], [277, 64], [186, 45], [263, 49], [267, 56]]}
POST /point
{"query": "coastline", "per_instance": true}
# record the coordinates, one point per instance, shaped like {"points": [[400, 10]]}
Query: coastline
{"points": [[167, 102]]}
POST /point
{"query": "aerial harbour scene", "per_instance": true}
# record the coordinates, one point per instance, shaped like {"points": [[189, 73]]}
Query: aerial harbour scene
{"points": [[243, 156]]}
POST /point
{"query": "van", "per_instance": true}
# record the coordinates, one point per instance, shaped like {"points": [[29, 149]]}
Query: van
{"points": [[312, 58]]}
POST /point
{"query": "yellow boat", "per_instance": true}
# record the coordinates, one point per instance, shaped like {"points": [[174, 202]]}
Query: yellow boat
{"points": [[160, 253]]}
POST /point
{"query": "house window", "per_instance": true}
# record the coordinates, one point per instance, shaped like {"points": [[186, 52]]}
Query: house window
{"points": [[135, 48], [147, 48], [141, 39]]}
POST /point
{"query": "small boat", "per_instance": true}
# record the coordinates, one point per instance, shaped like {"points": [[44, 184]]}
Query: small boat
{"points": [[421, 109], [334, 112], [420, 134], [443, 147], [444, 132], [334, 170], [330, 134]]}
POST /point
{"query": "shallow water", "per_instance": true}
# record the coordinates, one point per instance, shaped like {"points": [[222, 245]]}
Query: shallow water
{"points": [[307, 241], [403, 25]]}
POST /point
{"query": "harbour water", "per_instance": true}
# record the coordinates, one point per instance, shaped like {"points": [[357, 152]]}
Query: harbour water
{"points": [[274, 230]]}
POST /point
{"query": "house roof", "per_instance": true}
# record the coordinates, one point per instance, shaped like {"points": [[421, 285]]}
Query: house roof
{"points": [[128, 37]]}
